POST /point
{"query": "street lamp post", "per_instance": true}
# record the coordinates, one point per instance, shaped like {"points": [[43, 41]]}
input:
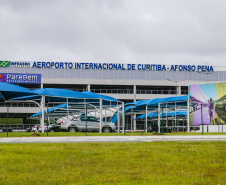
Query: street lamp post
{"points": [[177, 88], [206, 73]]}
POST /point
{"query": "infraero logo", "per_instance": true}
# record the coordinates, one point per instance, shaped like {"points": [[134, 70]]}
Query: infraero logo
{"points": [[5, 63], [2, 77]]}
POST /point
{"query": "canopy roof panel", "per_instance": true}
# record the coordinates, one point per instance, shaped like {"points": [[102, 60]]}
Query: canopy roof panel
{"points": [[9, 91], [153, 103], [181, 113], [62, 95], [100, 96]]}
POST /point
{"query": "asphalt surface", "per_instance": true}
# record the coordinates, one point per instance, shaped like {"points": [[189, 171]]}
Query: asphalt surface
{"points": [[107, 139]]}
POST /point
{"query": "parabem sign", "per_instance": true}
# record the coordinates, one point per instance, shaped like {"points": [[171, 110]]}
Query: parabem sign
{"points": [[20, 78]]}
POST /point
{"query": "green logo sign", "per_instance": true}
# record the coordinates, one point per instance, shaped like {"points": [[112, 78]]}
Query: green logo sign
{"points": [[5, 63]]}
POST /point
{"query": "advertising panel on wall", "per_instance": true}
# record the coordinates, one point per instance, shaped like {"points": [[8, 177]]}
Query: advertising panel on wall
{"points": [[207, 104], [20, 78]]}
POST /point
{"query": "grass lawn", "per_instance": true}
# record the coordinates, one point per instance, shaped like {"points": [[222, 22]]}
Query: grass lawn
{"points": [[27, 134], [114, 163]]}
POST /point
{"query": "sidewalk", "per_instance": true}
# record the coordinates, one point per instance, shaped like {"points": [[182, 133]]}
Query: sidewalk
{"points": [[85, 139]]}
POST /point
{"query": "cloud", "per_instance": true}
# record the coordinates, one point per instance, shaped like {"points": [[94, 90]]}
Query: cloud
{"points": [[129, 31]]}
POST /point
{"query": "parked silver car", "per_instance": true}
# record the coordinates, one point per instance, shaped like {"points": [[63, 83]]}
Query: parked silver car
{"points": [[93, 124]]}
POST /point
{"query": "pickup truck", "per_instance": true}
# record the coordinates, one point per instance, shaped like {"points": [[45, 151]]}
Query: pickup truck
{"points": [[93, 124]]}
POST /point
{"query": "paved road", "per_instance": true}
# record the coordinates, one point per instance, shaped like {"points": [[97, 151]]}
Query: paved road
{"points": [[107, 139]]}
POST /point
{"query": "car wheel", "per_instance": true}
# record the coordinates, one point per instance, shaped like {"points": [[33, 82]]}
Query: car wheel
{"points": [[107, 129], [51, 130], [72, 129]]}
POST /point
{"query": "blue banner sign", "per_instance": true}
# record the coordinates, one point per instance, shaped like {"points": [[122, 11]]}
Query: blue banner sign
{"points": [[20, 78]]}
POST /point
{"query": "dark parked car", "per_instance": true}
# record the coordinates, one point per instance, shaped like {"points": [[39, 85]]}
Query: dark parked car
{"points": [[28, 129], [53, 127], [154, 128]]}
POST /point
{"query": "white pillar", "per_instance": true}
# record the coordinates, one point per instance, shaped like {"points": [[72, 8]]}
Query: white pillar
{"points": [[179, 90], [159, 118], [175, 114], [67, 111], [85, 107], [134, 93], [188, 106], [105, 117], [100, 115], [88, 87], [123, 116], [118, 118], [146, 123], [131, 121], [134, 122], [43, 107], [166, 116]]}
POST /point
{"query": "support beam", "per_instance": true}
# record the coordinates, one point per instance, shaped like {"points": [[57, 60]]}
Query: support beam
{"points": [[7, 120], [134, 122], [123, 117], [176, 115], [179, 90], [131, 121], [188, 106], [134, 93], [43, 107], [88, 87], [166, 117], [101, 107], [159, 118], [146, 121], [67, 111], [118, 117]]}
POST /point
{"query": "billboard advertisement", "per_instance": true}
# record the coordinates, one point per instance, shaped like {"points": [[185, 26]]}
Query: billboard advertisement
{"points": [[207, 104], [20, 78]]}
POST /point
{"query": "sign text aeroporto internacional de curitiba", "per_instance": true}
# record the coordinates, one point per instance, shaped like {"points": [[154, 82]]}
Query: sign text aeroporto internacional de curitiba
{"points": [[106, 66]]}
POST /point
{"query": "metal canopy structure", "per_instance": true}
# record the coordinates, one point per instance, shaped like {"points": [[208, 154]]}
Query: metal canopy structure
{"points": [[47, 95], [63, 95], [182, 113], [159, 105], [153, 103]]}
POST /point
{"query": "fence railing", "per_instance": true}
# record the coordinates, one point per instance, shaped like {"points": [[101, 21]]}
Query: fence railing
{"points": [[25, 104], [157, 92], [113, 91], [184, 92], [130, 91], [16, 126]]}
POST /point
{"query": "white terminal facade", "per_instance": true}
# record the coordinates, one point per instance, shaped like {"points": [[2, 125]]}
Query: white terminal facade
{"points": [[126, 82]]}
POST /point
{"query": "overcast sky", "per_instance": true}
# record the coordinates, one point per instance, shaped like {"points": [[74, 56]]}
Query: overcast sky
{"points": [[117, 31]]}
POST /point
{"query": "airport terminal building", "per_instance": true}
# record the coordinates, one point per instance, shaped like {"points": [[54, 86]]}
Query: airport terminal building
{"points": [[126, 82]]}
